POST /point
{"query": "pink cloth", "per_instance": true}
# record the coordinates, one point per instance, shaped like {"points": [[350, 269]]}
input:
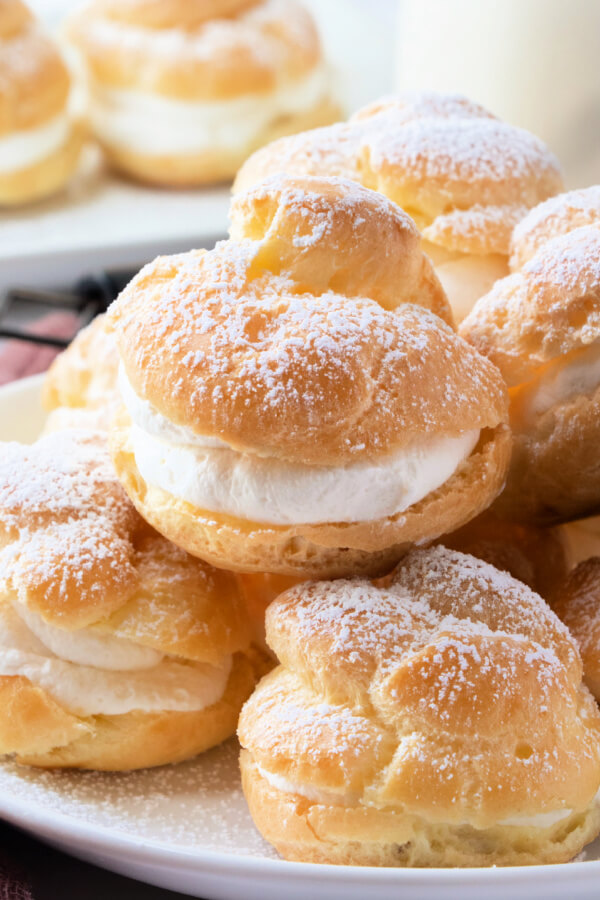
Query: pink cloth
{"points": [[20, 358]]}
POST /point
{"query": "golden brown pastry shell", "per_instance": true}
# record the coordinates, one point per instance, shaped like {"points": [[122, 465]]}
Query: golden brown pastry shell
{"points": [[359, 836]]}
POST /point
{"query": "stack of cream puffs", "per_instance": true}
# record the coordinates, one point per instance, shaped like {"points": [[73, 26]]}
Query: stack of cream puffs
{"points": [[40, 140], [297, 404], [465, 177], [182, 91], [541, 327]]}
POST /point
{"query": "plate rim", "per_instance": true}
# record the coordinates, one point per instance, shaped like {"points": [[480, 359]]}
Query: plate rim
{"points": [[34, 816], [31, 815]]}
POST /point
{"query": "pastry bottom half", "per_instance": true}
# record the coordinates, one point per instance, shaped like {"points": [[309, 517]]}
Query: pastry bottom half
{"points": [[220, 164], [329, 550], [305, 831], [45, 177], [37, 731]]}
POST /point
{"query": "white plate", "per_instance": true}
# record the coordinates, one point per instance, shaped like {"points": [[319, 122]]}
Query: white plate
{"points": [[187, 827]]}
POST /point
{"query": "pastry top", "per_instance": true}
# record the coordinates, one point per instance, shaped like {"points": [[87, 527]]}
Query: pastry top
{"points": [[465, 177], [34, 81], [548, 309], [196, 50], [554, 217], [295, 369], [452, 692], [75, 552], [329, 234], [85, 374]]}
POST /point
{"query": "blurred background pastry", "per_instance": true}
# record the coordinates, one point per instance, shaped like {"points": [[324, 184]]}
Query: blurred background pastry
{"points": [[40, 141], [117, 649], [541, 327], [465, 177], [439, 721], [182, 91], [279, 420]]}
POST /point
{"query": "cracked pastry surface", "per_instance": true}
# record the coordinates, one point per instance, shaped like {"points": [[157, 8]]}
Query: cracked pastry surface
{"points": [[541, 327], [438, 721], [181, 93], [287, 437], [118, 650], [40, 141], [464, 176]]}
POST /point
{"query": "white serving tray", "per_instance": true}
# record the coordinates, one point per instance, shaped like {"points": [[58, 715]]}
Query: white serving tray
{"points": [[102, 221]]}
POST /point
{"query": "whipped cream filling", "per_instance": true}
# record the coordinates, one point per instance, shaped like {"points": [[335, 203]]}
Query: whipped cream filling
{"points": [[219, 479], [329, 798], [21, 149], [155, 125], [88, 647], [561, 380], [91, 689]]}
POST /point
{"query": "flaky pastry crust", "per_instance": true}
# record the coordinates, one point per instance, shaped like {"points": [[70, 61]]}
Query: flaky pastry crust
{"points": [[464, 176], [534, 324], [423, 723], [74, 552], [554, 217], [276, 355]]}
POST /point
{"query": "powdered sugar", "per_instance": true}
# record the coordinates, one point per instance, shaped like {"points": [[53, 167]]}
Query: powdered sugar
{"points": [[554, 217], [434, 155], [260, 362], [195, 806], [463, 669]]}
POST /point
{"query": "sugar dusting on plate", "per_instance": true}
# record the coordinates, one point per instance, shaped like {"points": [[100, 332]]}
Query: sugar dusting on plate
{"points": [[194, 804]]}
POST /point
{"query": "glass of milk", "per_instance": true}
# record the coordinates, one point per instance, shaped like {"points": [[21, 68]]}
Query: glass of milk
{"points": [[535, 63]]}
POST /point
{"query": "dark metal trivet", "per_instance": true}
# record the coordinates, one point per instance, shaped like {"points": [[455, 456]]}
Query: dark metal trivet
{"points": [[90, 296]]}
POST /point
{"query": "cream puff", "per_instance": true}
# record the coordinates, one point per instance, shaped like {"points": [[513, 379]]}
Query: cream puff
{"points": [[290, 407], [541, 327], [117, 649], [464, 176], [439, 721], [182, 91], [80, 387], [539, 557], [578, 605], [40, 142]]}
